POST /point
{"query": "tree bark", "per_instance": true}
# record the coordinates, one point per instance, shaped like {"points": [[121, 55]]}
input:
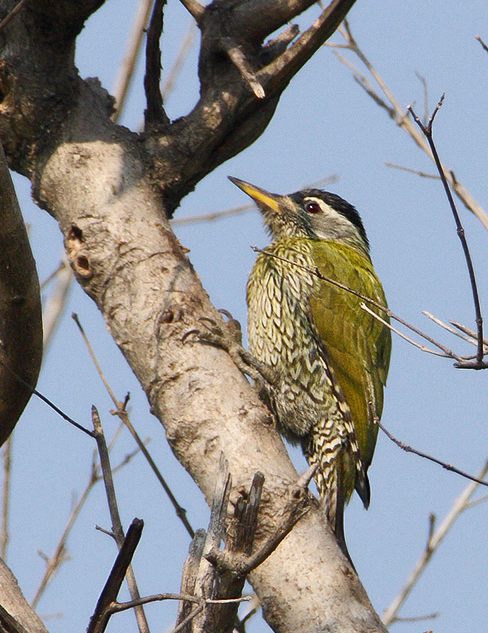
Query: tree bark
{"points": [[16, 614], [20, 309]]}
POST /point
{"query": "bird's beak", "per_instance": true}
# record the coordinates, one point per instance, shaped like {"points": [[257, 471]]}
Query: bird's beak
{"points": [[262, 197]]}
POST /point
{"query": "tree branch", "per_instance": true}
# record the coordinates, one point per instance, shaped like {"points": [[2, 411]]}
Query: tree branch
{"points": [[103, 611], [435, 539], [16, 606], [20, 309], [427, 132], [126, 545], [154, 113]]}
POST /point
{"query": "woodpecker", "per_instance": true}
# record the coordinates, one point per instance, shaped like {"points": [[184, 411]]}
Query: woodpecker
{"points": [[330, 357]]}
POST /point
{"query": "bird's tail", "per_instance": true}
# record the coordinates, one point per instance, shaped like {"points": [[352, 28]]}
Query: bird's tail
{"points": [[329, 486]]}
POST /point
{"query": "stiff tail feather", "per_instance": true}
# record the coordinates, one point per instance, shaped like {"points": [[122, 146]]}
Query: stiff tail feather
{"points": [[332, 497]]}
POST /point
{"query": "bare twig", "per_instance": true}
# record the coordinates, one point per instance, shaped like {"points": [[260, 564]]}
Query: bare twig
{"points": [[7, 471], [246, 208], [124, 417], [427, 132], [194, 8], [398, 114], [460, 504], [53, 308], [54, 562], [154, 113], [216, 215], [114, 514], [105, 605], [159, 597], [181, 56], [417, 172], [485, 47], [46, 400], [191, 614], [469, 338], [239, 60], [409, 449], [12, 14], [282, 68], [128, 64], [52, 276], [423, 81], [419, 346], [467, 331], [316, 272], [419, 618]]}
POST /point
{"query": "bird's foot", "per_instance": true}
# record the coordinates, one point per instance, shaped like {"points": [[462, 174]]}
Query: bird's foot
{"points": [[227, 335]]}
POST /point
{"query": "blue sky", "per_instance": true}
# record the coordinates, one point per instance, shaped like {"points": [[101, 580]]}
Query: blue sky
{"points": [[324, 125]]}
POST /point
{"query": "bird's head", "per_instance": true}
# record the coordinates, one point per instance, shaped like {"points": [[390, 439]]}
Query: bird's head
{"points": [[311, 213]]}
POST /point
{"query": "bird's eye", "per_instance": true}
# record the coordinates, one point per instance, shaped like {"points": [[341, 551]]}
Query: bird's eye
{"points": [[312, 207]]}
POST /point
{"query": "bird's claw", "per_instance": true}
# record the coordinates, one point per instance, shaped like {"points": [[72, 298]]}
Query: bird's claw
{"points": [[228, 336], [225, 335]]}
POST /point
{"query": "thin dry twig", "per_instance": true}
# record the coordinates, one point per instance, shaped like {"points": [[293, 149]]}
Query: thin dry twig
{"points": [[397, 113], [409, 449], [194, 8], [126, 69], [159, 597], [54, 307], [122, 414], [314, 271], [118, 531], [239, 60], [460, 504], [417, 172], [469, 338], [467, 331], [49, 403], [419, 618], [52, 276], [191, 615], [154, 113], [7, 472], [12, 14], [419, 346], [54, 562], [427, 132], [181, 56], [246, 208], [485, 47], [106, 604]]}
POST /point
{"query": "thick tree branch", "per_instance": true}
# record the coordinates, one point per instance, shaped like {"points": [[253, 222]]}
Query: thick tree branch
{"points": [[278, 74], [20, 309], [15, 607]]}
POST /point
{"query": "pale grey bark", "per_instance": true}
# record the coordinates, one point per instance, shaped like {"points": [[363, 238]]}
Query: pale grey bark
{"points": [[14, 608], [109, 191]]}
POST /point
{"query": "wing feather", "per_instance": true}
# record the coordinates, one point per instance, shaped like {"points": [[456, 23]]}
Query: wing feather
{"points": [[358, 345]]}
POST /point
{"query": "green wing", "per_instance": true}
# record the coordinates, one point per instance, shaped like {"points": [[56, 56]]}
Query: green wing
{"points": [[358, 345]]}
